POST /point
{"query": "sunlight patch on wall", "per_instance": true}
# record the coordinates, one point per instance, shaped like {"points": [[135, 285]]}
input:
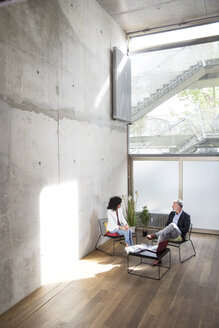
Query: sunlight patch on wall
{"points": [[59, 232], [102, 93]]}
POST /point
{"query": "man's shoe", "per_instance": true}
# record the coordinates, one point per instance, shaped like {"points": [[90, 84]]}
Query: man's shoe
{"points": [[157, 262], [152, 236]]}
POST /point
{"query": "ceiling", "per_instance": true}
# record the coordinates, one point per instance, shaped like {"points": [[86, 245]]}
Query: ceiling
{"points": [[156, 15]]}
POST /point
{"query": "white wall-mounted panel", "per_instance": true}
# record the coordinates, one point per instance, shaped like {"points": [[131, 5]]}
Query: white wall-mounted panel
{"points": [[121, 86]]}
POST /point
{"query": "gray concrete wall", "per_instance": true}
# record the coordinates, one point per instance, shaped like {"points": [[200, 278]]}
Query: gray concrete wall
{"points": [[55, 127]]}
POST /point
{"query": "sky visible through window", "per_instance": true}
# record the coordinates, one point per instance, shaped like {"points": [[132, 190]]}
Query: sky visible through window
{"points": [[185, 34]]}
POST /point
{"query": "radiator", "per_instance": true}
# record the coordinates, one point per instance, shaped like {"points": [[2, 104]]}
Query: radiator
{"points": [[158, 219]]}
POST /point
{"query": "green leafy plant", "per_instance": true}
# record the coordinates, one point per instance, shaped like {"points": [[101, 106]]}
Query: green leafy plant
{"points": [[130, 204], [144, 217]]}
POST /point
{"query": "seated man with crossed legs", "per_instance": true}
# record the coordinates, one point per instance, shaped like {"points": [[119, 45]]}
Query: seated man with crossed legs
{"points": [[177, 225]]}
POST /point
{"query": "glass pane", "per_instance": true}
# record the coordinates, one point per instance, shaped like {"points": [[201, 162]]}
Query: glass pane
{"points": [[175, 101], [201, 193], [157, 39], [157, 183]]}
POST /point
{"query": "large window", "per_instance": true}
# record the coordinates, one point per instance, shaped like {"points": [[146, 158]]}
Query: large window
{"points": [[195, 180], [175, 101]]}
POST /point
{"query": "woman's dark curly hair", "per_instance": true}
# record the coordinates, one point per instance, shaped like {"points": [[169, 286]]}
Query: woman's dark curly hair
{"points": [[114, 202]]}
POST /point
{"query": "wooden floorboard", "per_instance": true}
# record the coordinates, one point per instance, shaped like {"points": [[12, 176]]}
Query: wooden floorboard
{"points": [[187, 296]]}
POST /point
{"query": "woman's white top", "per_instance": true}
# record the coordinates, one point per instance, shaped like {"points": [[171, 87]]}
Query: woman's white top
{"points": [[112, 219]]}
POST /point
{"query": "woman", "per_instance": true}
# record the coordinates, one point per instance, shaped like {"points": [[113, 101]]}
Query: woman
{"points": [[116, 220]]}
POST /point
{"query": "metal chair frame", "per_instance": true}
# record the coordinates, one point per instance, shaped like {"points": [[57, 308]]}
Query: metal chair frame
{"points": [[179, 243], [102, 228]]}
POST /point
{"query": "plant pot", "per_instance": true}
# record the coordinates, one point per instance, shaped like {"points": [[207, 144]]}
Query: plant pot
{"points": [[132, 229], [144, 233]]}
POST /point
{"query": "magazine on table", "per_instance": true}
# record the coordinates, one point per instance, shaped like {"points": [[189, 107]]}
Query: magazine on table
{"points": [[140, 248]]}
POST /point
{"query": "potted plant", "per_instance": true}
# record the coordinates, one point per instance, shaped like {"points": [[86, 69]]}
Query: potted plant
{"points": [[144, 219], [130, 203]]}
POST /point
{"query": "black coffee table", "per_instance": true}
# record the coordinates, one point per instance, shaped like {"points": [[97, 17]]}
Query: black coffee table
{"points": [[147, 258]]}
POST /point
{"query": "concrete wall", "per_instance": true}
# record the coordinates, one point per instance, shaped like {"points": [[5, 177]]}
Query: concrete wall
{"points": [[55, 127]]}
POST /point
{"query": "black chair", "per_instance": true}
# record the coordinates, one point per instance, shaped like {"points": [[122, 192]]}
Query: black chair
{"points": [[178, 244], [114, 236]]}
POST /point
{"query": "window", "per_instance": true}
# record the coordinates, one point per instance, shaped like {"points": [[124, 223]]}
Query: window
{"points": [[175, 101]]}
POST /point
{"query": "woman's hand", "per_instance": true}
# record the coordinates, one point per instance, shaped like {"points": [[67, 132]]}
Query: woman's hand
{"points": [[125, 227]]}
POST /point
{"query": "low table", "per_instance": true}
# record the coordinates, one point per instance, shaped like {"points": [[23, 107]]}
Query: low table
{"points": [[138, 268]]}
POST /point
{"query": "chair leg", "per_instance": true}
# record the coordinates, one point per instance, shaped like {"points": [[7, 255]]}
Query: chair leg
{"points": [[193, 247], [170, 263], [113, 250], [113, 247], [189, 257], [97, 241], [180, 255], [99, 249]]}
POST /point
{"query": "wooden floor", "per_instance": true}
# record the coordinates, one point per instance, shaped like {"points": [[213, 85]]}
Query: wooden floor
{"points": [[103, 295]]}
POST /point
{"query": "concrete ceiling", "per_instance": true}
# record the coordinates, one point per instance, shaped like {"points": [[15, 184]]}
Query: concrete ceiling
{"points": [[157, 15]]}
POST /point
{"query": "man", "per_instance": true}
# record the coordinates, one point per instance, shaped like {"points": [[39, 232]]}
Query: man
{"points": [[177, 224]]}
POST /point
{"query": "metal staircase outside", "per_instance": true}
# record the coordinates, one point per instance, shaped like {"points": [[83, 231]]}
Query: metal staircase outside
{"points": [[182, 81], [183, 143], [195, 143]]}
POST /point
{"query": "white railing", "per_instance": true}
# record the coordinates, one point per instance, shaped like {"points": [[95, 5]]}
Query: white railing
{"points": [[174, 83]]}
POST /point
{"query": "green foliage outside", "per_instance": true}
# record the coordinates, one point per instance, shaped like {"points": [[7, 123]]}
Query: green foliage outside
{"points": [[203, 98], [201, 107], [206, 104]]}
